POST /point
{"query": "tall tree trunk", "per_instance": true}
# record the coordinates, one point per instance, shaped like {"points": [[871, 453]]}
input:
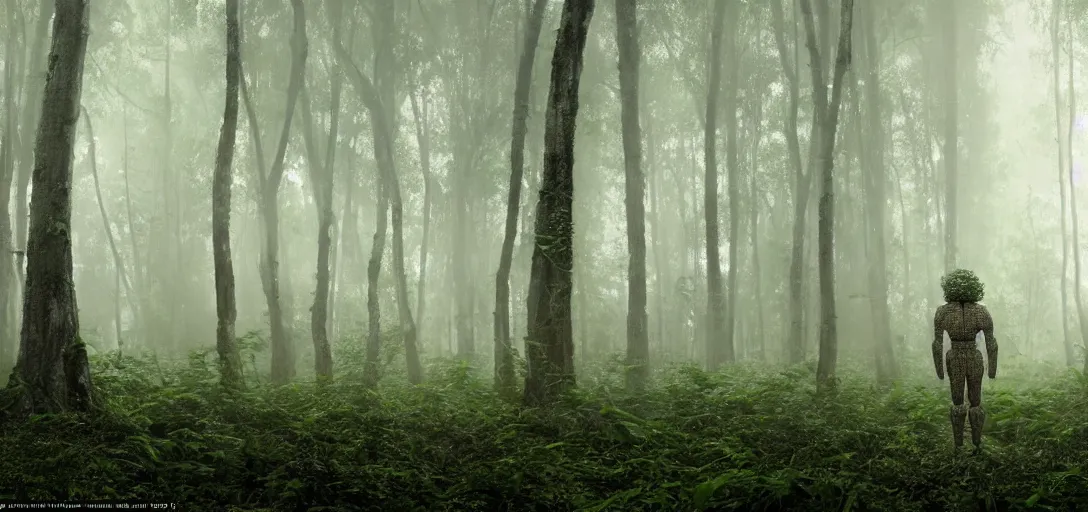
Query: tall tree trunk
{"points": [[950, 152], [52, 373], [230, 364], [31, 114], [732, 188], [876, 184], [715, 293], [549, 344], [1055, 48], [829, 120], [283, 352], [638, 340], [504, 355], [1082, 315], [322, 176], [379, 102], [802, 189], [171, 201], [139, 278], [656, 229], [753, 225], [118, 262], [421, 113]]}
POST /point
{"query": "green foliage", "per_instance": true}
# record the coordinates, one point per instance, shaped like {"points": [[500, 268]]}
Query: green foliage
{"points": [[750, 438], [962, 285]]}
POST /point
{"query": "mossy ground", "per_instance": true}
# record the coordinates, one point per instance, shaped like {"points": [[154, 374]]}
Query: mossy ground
{"points": [[749, 438]]}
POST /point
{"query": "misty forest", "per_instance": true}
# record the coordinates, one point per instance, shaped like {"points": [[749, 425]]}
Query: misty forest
{"points": [[541, 255]]}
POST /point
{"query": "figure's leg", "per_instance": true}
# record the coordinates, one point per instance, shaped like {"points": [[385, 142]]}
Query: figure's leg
{"points": [[957, 378], [974, 396]]}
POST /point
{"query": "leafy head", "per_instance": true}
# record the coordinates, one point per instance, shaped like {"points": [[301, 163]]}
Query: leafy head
{"points": [[962, 285]]}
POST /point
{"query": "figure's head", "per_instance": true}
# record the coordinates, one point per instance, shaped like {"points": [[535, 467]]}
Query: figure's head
{"points": [[962, 285]]}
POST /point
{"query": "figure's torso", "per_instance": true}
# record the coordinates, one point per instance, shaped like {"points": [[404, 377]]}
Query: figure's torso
{"points": [[962, 321]]}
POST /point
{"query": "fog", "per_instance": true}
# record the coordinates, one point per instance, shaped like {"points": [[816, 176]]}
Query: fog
{"points": [[153, 92]]}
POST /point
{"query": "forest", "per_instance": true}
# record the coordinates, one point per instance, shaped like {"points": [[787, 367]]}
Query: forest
{"points": [[502, 255]]}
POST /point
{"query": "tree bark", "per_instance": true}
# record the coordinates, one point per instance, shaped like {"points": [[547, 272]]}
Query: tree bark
{"points": [[549, 343], [876, 184], [379, 101], [801, 192], [322, 176], [829, 120], [1082, 315], [283, 351], [118, 261], [638, 340], [230, 364], [732, 187], [715, 293], [1070, 355], [504, 354], [421, 114], [52, 374]]}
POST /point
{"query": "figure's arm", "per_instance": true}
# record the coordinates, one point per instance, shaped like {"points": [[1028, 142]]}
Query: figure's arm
{"points": [[938, 344], [991, 343]]}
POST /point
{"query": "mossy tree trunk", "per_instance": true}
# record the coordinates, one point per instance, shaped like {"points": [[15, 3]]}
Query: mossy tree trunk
{"points": [[52, 373], [549, 342]]}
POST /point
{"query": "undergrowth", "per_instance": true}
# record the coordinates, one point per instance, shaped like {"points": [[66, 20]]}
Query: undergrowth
{"points": [[749, 438]]}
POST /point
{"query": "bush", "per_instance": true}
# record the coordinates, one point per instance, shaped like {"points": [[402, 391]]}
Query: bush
{"points": [[750, 438]]}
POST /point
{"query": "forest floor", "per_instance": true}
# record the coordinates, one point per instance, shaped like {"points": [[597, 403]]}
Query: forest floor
{"points": [[749, 438]]}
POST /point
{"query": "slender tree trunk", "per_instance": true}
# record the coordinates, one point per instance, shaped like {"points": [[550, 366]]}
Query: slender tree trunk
{"points": [[876, 182], [715, 294], [379, 102], [283, 352], [1055, 47], [421, 113], [322, 176], [656, 230], [950, 151], [504, 356], [1082, 315], [753, 225], [52, 373], [230, 364], [732, 154], [549, 344], [638, 340], [118, 262], [139, 278], [802, 188], [829, 120]]}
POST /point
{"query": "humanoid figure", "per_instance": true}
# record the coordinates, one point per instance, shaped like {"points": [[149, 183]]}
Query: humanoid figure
{"points": [[962, 317]]}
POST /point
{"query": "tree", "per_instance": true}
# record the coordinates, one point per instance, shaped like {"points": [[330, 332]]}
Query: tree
{"points": [[230, 364], [549, 342], [827, 114], [322, 176], [715, 293], [1055, 49], [504, 354], [283, 353], [118, 262], [379, 100], [802, 187], [52, 373], [1082, 315], [638, 340], [876, 184]]}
